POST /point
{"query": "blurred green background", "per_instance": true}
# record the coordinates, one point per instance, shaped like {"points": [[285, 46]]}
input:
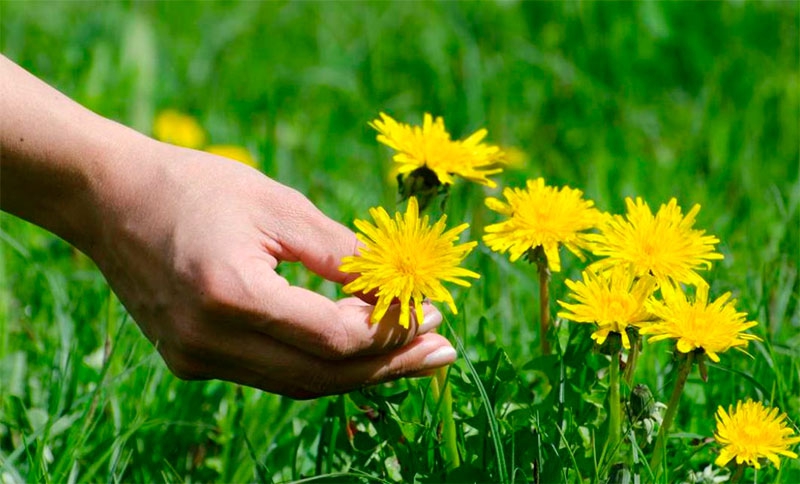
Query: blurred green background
{"points": [[696, 100]]}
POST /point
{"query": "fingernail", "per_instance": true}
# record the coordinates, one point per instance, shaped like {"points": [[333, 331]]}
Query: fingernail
{"points": [[440, 357], [431, 321]]}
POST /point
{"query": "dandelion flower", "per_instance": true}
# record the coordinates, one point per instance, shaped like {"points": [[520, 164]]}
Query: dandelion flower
{"points": [[541, 216], [664, 245], [242, 155], [514, 157], [698, 325], [613, 300], [406, 259], [430, 147], [180, 129], [752, 432]]}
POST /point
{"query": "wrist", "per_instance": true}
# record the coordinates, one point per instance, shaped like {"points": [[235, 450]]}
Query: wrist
{"points": [[62, 165], [126, 183], [116, 172]]}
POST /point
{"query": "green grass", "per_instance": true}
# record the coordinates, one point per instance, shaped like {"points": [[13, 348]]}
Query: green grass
{"points": [[699, 101]]}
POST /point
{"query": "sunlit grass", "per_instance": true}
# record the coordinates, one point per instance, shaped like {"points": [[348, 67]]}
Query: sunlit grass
{"points": [[659, 100]]}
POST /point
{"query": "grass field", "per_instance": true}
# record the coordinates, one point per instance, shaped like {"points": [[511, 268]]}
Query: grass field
{"points": [[698, 101]]}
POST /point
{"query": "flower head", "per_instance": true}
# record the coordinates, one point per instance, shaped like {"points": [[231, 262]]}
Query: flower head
{"points": [[407, 259], [233, 152], [180, 129], [612, 300], [430, 147], [541, 216], [664, 245], [752, 432], [698, 325]]}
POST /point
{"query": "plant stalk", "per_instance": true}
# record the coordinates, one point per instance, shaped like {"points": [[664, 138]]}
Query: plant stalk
{"points": [[737, 475], [633, 358], [544, 297], [672, 408], [444, 401], [614, 407], [426, 190]]}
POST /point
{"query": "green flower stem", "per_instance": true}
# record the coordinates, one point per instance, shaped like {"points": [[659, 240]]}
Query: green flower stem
{"points": [[444, 400], [633, 358], [544, 297], [614, 412], [672, 408], [426, 187], [738, 473]]}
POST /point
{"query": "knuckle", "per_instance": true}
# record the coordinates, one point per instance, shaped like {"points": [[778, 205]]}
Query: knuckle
{"points": [[217, 284], [291, 202], [335, 342], [217, 289], [295, 198]]}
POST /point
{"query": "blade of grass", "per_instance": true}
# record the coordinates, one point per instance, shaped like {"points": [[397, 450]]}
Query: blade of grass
{"points": [[487, 404], [571, 454], [261, 469]]}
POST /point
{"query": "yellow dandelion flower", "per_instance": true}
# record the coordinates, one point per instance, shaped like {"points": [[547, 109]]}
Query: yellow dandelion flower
{"points": [[613, 300], [406, 259], [752, 432], [664, 245], [180, 129], [698, 325], [541, 216], [515, 158], [233, 152], [430, 146]]}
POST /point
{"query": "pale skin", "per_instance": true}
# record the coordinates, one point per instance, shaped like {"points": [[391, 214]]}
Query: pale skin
{"points": [[189, 242]]}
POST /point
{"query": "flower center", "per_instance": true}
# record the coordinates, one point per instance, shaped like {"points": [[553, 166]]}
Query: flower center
{"points": [[617, 310], [406, 264], [751, 432]]}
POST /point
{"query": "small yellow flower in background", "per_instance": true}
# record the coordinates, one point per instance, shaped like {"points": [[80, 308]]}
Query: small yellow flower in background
{"points": [[406, 259], [515, 158], [698, 325], [752, 432], [612, 300], [541, 216], [665, 245], [180, 129], [233, 152], [430, 147]]}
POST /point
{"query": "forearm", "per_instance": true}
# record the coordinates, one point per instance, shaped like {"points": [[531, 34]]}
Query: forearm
{"points": [[58, 161]]}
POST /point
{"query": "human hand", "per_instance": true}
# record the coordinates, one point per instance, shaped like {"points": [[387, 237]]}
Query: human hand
{"points": [[190, 241]]}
